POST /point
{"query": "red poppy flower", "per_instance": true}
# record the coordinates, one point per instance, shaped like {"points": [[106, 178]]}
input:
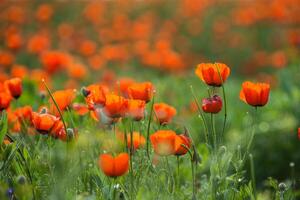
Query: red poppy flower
{"points": [[255, 94], [164, 112], [44, 122], [63, 98], [95, 95], [58, 131], [210, 73], [114, 166], [299, 133], [14, 86], [163, 142], [123, 86], [5, 100], [212, 104], [141, 91], [182, 140], [136, 109], [115, 106], [24, 113]]}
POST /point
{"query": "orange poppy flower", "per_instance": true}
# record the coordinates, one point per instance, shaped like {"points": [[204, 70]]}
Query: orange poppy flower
{"points": [[299, 133], [164, 112], [95, 95], [138, 140], [44, 122], [136, 109], [255, 94], [5, 99], [14, 86], [54, 61], [123, 85], [77, 70], [24, 113], [182, 139], [6, 58], [63, 99], [80, 109], [163, 142], [58, 131], [44, 12], [14, 41], [210, 73], [115, 106], [114, 166], [19, 71], [87, 47], [142, 91], [38, 43]]}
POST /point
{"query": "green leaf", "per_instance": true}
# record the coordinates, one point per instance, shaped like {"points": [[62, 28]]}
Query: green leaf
{"points": [[3, 126]]}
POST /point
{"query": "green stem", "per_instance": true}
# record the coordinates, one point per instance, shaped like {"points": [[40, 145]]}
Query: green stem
{"points": [[214, 134], [56, 105], [148, 129], [178, 171], [252, 176], [225, 105], [131, 158], [201, 114]]}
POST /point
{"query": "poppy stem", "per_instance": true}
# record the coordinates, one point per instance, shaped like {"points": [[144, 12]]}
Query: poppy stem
{"points": [[214, 134], [131, 158], [56, 105], [201, 114], [252, 171], [178, 171], [148, 129], [225, 105], [193, 171]]}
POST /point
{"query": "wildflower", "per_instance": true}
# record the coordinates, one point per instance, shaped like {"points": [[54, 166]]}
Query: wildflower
{"points": [[142, 91], [182, 140], [24, 114], [114, 166], [63, 98], [138, 140], [136, 109], [255, 94], [5, 100], [163, 142], [212, 104], [123, 86], [299, 133], [80, 109], [14, 86], [211, 73], [115, 106], [43, 122], [95, 95], [164, 112]]}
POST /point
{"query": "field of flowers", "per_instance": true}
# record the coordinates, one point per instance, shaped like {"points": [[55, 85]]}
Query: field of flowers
{"points": [[158, 99]]}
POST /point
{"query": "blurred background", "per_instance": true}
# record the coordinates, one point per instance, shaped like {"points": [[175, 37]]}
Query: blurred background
{"points": [[74, 43]]}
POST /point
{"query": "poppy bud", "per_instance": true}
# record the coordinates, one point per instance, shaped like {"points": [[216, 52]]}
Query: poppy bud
{"points": [[212, 104], [15, 87], [85, 92], [70, 133]]}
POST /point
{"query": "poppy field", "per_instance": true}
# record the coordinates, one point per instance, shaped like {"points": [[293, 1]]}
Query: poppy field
{"points": [[158, 99]]}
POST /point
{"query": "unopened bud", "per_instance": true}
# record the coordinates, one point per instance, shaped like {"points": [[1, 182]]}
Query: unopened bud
{"points": [[85, 92]]}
